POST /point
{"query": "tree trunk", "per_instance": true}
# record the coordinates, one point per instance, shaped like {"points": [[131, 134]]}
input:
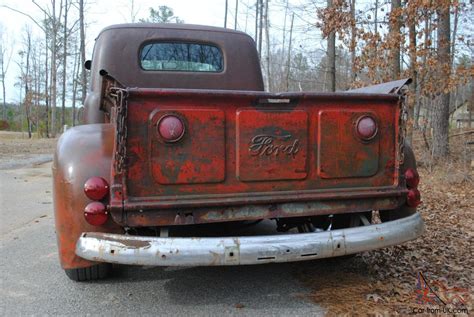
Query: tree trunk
{"points": [[260, 29], [267, 40], [471, 103], [331, 56], [27, 100], [36, 66], [395, 38], [256, 21], [53, 68], [412, 101], [455, 31], [4, 65], [225, 14], [75, 71], [441, 119], [63, 95], [236, 13], [353, 41], [46, 81], [288, 63], [82, 36], [4, 115], [376, 17]]}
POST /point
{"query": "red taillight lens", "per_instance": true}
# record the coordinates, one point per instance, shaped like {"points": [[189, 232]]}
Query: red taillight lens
{"points": [[412, 178], [366, 128], [171, 128], [95, 213], [96, 188], [413, 198]]}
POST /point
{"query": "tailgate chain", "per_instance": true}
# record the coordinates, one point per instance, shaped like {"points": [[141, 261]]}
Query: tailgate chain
{"points": [[403, 118], [121, 97]]}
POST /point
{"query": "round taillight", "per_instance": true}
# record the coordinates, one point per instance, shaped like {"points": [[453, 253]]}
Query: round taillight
{"points": [[171, 128], [412, 178], [96, 213], [413, 198], [96, 188], [366, 127]]}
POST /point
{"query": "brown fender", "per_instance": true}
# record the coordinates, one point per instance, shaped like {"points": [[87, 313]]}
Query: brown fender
{"points": [[82, 152]]}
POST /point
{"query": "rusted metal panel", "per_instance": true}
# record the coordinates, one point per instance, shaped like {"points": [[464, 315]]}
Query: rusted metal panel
{"points": [[246, 116], [82, 152], [271, 144], [198, 157], [137, 216], [341, 152]]}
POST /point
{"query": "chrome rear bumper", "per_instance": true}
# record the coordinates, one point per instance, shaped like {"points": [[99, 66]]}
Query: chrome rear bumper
{"points": [[137, 250]]}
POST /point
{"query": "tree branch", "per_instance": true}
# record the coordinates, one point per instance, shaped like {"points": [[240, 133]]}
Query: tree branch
{"points": [[25, 14]]}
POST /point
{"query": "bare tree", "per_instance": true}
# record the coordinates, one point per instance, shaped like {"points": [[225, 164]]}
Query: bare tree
{"points": [[51, 27], [256, 20], [54, 58], [331, 55], [412, 12], [76, 70], [25, 78], [236, 13], [6, 53], [46, 81], [67, 6], [267, 41], [395, 25], [260, 28], [82, 34], [289, 53], [352, 47], [441, 118], [225, 13]]}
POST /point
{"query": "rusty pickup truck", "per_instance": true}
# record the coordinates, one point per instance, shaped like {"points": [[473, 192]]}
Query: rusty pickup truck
{"points": [[182, 147]]}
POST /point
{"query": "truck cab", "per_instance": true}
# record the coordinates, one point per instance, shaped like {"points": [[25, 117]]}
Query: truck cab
{"points": [[180, 137]]}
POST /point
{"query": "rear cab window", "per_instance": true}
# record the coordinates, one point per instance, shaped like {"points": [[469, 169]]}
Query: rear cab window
{"points": [[179, 56]]}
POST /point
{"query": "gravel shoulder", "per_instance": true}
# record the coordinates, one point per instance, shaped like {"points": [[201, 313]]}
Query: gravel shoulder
{"points": [[17, 150]]}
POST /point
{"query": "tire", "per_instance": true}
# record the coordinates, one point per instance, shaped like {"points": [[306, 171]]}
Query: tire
{"points": [[91, 273]]}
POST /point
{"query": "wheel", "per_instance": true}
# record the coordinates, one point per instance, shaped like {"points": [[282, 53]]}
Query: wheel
{"points": [[91, 273]]}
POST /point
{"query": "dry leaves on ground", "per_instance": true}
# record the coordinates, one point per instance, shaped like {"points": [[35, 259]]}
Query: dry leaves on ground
{"points": [[384, 282]]}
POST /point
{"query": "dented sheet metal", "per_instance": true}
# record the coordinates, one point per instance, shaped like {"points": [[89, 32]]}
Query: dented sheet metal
{"points": [[138, 250]]}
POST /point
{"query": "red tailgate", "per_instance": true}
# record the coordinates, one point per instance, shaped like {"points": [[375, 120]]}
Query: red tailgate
{"points": [[238, 148]]}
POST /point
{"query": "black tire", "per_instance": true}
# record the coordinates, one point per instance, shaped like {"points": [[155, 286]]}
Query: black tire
{"points": [[91, 273]]}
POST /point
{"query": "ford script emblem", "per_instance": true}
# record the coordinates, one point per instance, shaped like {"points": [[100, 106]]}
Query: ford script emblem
{"points": [[266, 144]]}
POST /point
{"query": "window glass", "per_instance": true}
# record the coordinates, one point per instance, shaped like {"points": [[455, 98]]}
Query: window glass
{"points": [[188, 57]]}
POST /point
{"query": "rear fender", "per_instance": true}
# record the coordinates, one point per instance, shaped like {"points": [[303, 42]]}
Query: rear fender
{"points": [[82, 152], [409, 161]]}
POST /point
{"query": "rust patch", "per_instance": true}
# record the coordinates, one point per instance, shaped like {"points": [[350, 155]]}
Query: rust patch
{"points": [[131, 244]]}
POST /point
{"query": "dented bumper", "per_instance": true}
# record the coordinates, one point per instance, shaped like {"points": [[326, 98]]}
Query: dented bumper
{"points": [[138, 250]]}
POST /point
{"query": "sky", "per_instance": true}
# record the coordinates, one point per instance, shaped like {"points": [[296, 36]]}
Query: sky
{"points": [[101, 13]]}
